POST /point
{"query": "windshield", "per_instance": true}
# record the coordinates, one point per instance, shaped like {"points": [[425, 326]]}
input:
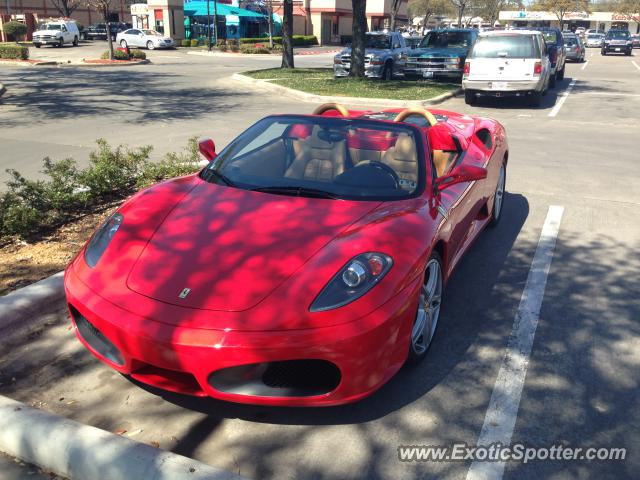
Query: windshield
{"points": [[595, 37], [151, 32], [380, 42], [570, 41], [506, 46], [329, 157], [447, 40], [52, 26], [620, 34]]}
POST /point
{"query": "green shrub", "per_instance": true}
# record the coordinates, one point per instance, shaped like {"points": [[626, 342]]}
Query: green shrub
{"points": [[32, 207], [186, 43], [16, 52], [15, 29], [194, 43], [138, 54], [117, 55], [254, 49], [276, 48], [298, 40]]}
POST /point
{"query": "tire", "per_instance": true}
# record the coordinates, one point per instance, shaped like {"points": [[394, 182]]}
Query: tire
{"points": [[498, 198], [552, 80], [123, 43], [37, 45], [387, 72], [75, 41], [603, 53], [427, 311], [61, 43], [535, 99], [469, 97], [150, 45], [560, 74]]}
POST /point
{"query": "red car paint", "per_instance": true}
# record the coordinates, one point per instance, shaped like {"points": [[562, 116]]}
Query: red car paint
{"points": [[255, 262]]}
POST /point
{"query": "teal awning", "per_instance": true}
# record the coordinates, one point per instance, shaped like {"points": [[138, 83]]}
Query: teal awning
{"points": [[200, 8]]}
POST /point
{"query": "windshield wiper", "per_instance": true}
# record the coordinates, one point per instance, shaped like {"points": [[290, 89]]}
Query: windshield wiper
{"points": [[297, 191], [209, 173]]}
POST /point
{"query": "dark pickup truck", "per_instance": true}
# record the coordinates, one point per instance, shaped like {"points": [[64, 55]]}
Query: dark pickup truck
{"points": [[557, 55], [98, 31]]}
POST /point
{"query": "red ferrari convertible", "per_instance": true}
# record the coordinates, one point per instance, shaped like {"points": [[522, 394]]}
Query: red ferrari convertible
{"points": [[303, 266]]}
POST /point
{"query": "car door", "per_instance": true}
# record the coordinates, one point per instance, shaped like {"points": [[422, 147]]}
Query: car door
{"points": [[134, 37]]}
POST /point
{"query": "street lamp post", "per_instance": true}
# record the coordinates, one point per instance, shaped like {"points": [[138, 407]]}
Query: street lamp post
{"points": [[215, 20]]}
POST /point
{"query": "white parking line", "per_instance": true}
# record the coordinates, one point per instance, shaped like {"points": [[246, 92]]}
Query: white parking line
{"points": [[584, 65], [501, 415], [635, 65], [562, 99]]}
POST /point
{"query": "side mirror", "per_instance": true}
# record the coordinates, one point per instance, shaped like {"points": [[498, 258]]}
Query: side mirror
{"points": [[208, 149], [460, 174]]}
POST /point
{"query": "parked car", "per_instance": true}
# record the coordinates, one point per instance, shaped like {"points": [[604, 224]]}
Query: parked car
{"points": [[574, 48], [580, 31], [592, 31], [441, 54], [555, 47], [508, 63], [413, 41], [149, 39], [635, 41], [383, 56], [57, 33], [336, 217], [98, 31], [617, 41], [595, 40]]}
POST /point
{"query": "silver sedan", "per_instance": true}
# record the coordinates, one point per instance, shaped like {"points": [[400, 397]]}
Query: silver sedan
{"points": [[149, 39]]}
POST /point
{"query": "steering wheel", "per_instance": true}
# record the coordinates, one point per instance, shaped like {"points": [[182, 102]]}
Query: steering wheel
{"points": [[325, 107], [381, 166], [408, 112]]}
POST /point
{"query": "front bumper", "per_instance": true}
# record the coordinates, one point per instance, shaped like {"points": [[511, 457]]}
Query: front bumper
{"points": [[504, 88], [370, 71], [617, 48], [46, 40], [367, 352]]}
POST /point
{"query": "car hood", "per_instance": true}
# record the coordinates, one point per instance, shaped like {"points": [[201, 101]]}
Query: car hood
{"points": [[368, 51], [438, 52], [231, 248]]}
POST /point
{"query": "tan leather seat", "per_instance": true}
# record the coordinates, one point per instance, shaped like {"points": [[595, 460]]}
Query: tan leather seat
{"points": [[402, 157], [317, 159]]}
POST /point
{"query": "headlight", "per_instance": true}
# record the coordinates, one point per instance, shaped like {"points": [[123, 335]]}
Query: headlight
{"points": [[352, 281], [100, 240]]}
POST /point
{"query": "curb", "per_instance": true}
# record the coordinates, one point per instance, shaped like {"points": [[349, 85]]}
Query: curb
{"points": [[270, 55], [18, 63], [123, 64], [78, 451], [28, 301], [310, 97]]}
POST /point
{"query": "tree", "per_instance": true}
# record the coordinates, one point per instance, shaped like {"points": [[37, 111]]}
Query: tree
{"points": [[490, 9], [66, 7], [429, 8], [630, 8], [16, 29], [103, 7], [395, 7], [287, 35], [461, 6], [269, 5], [561, 7], [359, 40]]}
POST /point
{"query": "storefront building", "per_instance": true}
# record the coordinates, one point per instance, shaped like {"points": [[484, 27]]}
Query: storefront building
{"points": [[163, 16], [595, 20]]}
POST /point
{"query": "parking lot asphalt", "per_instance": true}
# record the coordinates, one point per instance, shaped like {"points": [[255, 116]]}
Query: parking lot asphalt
{"points": [[582, 376]]}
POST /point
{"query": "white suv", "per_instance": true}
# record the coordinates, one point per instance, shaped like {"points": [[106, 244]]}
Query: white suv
{"points": [[507, 63], [57, 33]]}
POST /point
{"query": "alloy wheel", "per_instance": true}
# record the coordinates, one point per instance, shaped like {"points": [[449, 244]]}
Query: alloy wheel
{"points": [[428, 314]]}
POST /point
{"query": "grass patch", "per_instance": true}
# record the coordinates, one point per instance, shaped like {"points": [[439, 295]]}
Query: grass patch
{"points": [[320, 81]]}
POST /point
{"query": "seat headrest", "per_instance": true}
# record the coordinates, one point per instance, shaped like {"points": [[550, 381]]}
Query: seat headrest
{"points": [[314, 141], [405, 148]]}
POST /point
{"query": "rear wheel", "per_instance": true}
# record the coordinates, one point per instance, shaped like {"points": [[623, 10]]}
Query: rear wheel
{"points": [[75, 41], [61, 43], [498, 198], [426, 321], [150, 45], [535, 99], [37, 45], [602, 52], [469, 97], [552, 80], [561, 74]]}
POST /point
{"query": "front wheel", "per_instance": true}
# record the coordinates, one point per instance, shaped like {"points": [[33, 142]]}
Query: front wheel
{"points": [[61, 43], [37, 45], [602, 52], [498, 198], [387, 72], [428, 313], [123, 43], [150, 45]]}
